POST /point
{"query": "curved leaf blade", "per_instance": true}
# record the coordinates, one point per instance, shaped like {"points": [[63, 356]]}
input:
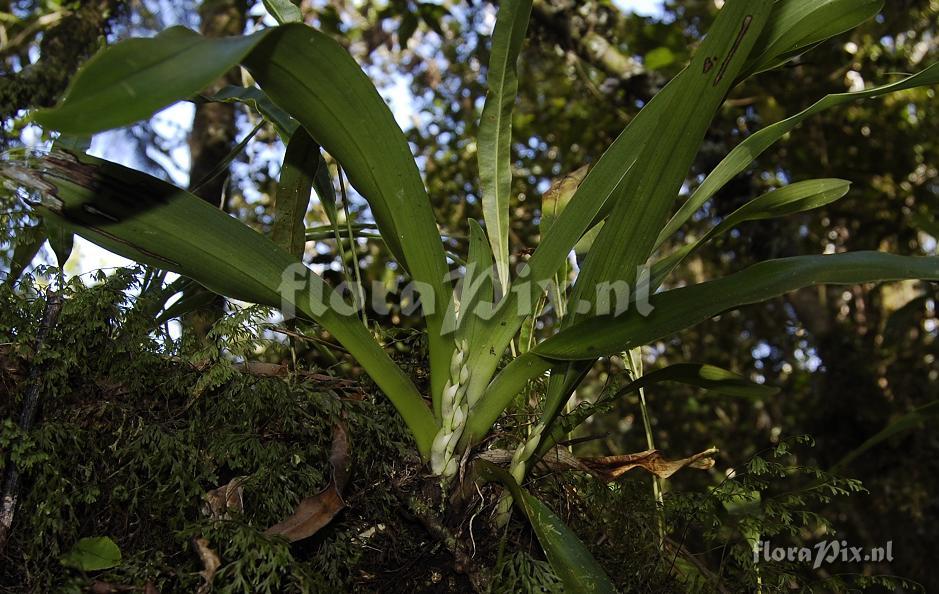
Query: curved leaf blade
{"points": [[495, 129], [797, 25], [708, 377], [284, 11], [791, 199], [133, 79], [747, 151], [294, 190], [682, 308], [312, 77], [570, 559]]}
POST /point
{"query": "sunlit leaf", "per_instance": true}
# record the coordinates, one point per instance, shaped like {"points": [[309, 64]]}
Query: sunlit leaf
{"points": [[744, 153], [682, 308], [495, 129]]}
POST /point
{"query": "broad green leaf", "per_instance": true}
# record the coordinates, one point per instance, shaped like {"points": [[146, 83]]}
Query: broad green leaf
{"points": [[650, 186], [499, 394], [294, 189], [708, 377], [791, 199], [156, 223], [745, 153], [711, 378], [261, 103], [494, 150], [284, 11], [797, 25], [135, 78], [655, 180], [28, 243], [570, 559], [921, 418], [312, 77], [93, 554], [682, 308]]}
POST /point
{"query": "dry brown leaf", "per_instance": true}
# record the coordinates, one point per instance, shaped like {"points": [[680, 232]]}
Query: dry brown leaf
{"points": [[210, 564], [610, 468], [230, 497], [317, 511]]}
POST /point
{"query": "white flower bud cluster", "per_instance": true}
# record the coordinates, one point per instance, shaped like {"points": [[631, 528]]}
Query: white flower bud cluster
{"points": [[454, 409]]}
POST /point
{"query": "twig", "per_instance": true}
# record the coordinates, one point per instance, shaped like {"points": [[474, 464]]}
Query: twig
{"points": [[31, 404]]}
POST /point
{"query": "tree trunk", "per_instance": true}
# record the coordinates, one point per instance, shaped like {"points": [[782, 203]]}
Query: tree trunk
{"points": [[213, 137]]}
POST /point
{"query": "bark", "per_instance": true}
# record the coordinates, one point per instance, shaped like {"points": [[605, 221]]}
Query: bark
{"points": [[584, 33], [64, 47], [213, 137], [31, 404], [213, 126]]}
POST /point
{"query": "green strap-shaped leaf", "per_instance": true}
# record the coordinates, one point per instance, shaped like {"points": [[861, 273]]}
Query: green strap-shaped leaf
{"points": [[494, 150], [711, 378], [478, 296], [61, 240], [148, 220], [921, 418], [791, 199], [314, 79], [28, 243], [572, 562], [682, 308], [294, 190], [653, 182], [284, 11], [499, 394], [133, 79], [744, 154], [650, 186], [797, 25], [708, 377]]}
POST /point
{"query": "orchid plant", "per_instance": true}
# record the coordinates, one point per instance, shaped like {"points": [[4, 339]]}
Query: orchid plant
{"points": [[318, 99]]}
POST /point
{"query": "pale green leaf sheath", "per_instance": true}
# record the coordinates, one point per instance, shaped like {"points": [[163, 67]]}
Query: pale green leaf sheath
{"points": [[494, 150]]}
